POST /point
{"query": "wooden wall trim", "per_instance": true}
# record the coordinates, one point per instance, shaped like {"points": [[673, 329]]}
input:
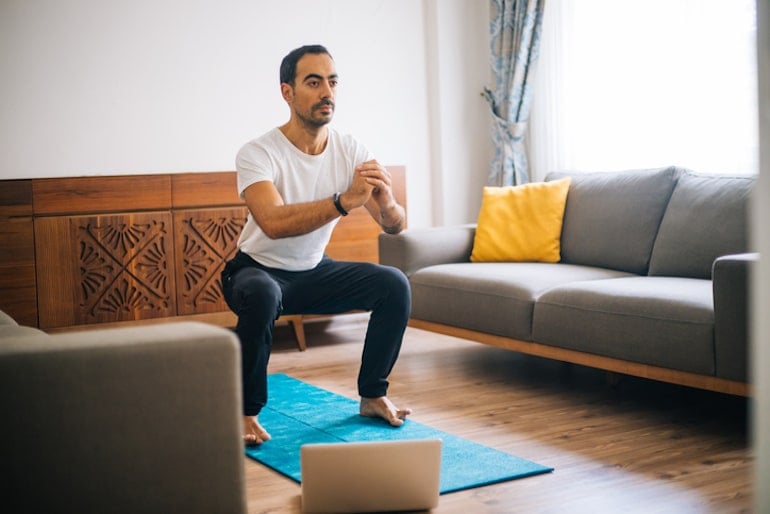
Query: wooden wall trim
{"points": [[189, 190], [16, 198], [88, 195]]}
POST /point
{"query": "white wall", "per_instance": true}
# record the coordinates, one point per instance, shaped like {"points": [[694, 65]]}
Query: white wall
{"points": [[94, 87], [458, 70]]}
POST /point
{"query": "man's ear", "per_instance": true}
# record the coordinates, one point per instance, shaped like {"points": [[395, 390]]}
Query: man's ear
{"points": [[287, 92]]}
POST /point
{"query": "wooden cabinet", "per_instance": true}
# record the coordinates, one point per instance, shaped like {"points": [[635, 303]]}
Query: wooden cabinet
{"points": [[87, 250]]}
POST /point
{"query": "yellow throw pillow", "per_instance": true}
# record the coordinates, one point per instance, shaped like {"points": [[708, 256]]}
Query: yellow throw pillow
{"points": [[521, 223]]}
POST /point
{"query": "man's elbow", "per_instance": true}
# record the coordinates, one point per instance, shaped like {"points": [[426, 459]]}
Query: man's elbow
{"points": [[272, 230], [393, 229]]}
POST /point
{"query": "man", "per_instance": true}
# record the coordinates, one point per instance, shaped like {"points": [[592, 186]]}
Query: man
{"points": [[297, 181]]}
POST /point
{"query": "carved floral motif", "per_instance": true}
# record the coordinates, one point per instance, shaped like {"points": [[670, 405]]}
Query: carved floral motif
{"points": [[207, 240], [124, 268]]}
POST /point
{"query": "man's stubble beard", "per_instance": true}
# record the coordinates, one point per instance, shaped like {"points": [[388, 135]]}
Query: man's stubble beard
{"points": [[310, 121]]}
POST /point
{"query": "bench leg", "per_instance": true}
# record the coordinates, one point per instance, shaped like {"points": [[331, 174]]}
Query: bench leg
{"points": [[299, 330]]}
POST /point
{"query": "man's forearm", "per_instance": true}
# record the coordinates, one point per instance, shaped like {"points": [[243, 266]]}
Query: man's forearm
{"points": [[296, 219], [393, 219]]}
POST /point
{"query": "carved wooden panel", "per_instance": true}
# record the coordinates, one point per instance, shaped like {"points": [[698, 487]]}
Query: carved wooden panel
{"points": [[204, 240], [97, 269], [125, 264]]}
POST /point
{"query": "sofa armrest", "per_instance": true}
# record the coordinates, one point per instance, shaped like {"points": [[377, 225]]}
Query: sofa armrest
{"points": [[730, 276], [414, 249], [138, 419]]}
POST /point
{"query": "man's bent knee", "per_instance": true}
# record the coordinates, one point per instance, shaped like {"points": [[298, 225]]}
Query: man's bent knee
{"points": [[255, 294]]}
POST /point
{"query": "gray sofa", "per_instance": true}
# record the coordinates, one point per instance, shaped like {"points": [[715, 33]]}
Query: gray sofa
{"points": [[123, 420], [652, 280]]}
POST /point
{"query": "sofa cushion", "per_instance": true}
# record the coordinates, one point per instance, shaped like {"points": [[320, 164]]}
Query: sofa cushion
{"points": [[611, 219], [706, 217], [521, 223], [493, 297], [661, 321]]}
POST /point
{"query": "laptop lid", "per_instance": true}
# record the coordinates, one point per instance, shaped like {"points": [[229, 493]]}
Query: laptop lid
{"points": [[373, 476]]}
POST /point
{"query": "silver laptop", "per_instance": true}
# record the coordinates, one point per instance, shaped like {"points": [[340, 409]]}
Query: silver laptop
{"points": [[371, 476]]}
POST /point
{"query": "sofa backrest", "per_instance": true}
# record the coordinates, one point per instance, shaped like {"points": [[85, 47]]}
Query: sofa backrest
{"points": [[611, 219], [706, 217]]}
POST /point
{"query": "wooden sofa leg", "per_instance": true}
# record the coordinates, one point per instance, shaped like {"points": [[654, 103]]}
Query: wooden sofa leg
{"points": [[299, 331]]}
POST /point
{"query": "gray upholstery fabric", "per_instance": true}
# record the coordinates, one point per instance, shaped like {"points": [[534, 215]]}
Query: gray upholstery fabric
{"points": [[143, 419], [662, 321], [731, 307], [8, 330], [705, 218], [491, 297], [611, 219], [413, 249]]}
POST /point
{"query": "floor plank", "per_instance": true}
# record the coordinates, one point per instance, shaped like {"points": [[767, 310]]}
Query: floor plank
{"points": [[629, 445]]}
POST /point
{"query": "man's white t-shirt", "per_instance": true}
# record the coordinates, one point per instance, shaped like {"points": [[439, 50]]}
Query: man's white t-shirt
{"points": [[298, 177]]}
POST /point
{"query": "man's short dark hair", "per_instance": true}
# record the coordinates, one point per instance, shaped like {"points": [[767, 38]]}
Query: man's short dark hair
{"points": [[289, 63]]}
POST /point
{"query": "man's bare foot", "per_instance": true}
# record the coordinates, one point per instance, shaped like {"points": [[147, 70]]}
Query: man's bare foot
{"points": [[253, 433], [382, 407]]}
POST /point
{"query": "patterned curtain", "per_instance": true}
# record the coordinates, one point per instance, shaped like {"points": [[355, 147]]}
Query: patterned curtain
{"points": [[514, 34]]}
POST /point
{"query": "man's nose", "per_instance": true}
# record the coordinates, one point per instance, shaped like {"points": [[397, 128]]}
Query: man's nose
{"points": [[327, 91]]}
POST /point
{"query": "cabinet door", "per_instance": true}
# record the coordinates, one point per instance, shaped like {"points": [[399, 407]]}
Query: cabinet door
{"points": [[17, 252], [17, 270], [204, 239], [104, 268]]}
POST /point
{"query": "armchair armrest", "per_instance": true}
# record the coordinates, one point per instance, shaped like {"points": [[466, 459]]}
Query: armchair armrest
{"points": [[730, 284], [138, 419], [414, 249]]}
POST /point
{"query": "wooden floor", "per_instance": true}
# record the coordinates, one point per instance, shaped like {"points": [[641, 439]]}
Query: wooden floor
{"points": [[626, 446]]}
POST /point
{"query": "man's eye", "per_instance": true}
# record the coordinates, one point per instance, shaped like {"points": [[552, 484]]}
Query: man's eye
{"points": [[313, 83], [333, 83]]}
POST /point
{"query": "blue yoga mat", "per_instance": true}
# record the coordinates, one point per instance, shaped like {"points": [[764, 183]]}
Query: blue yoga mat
{"points": [[299, 413]]}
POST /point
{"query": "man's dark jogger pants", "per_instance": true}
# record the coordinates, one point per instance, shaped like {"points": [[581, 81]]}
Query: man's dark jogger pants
{"points": [[258, 295]]}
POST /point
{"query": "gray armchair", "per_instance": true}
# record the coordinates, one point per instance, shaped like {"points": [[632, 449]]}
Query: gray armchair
{"points": [[141, 419]]}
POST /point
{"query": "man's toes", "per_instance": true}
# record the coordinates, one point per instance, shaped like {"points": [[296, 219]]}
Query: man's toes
{"points": [[251, 440]]}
